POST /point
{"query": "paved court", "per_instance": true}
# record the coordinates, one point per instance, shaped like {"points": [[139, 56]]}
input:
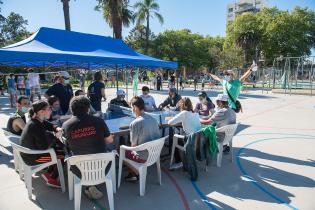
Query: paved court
{"points": [[273, 168]]}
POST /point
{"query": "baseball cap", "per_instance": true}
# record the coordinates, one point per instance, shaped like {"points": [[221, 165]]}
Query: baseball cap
{"points": [[120, 92], [229, 72], [64, 74], [222, 97]]}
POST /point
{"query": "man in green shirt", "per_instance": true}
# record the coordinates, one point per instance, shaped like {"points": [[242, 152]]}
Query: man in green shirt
{"points": [[232, 85]]}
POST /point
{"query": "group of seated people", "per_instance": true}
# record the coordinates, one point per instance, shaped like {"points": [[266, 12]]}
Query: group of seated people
{"points": [[87, 134]]}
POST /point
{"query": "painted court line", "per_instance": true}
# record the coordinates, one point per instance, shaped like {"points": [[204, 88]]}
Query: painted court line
{"points": [[178, 189], [203, 197], [206, 200], [255, 182]]}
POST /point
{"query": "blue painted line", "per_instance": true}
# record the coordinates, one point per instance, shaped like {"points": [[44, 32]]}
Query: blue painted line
{"points": [[255, 182], [284, 134], [203, 197]]}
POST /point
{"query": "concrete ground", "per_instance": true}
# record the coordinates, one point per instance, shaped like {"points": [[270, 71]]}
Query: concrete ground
{"points": [[273, 168]]}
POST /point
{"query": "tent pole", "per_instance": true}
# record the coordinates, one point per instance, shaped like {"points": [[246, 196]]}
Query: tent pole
{"points": [[126, 79], [177, 81], [116, 78]]}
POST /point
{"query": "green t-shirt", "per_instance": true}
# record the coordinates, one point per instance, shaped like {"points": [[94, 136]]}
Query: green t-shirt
{"points": [[234, 88]]}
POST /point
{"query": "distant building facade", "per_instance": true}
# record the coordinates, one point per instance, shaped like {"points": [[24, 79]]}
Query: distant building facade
{"points": [[237, 8]]}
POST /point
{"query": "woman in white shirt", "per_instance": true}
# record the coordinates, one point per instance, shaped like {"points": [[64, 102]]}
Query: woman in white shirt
{"points": [[149, 102], [190, 123]]}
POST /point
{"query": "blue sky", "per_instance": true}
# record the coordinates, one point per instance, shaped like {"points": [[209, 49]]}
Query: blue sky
{"points": [[207, 17]]}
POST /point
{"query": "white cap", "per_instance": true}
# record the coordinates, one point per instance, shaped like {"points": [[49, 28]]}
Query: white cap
{"points": [[222, 97], [120, 92], [64, 74], [230, 72]]}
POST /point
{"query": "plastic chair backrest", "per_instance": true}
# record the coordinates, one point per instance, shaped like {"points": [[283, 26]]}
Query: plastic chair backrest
{"points": [[92, 167], [229, 131], [154, 149]]}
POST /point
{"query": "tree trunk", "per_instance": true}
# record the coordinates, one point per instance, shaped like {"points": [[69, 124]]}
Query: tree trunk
{"points": [[147, 31], [66, 14], [116, 20]]}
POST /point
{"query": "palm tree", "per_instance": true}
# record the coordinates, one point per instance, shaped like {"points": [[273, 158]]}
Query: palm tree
{"points": [[117, 14], [247, 41], [66, 14], [145, 10]]}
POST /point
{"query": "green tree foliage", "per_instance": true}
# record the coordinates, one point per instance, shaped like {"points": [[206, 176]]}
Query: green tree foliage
{"points": [[13, 29], [273, 33], [137, 38], [189, 49], [145, 10]]}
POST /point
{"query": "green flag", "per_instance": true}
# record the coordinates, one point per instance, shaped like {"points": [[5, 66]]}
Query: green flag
{"points": [[135, 83]]}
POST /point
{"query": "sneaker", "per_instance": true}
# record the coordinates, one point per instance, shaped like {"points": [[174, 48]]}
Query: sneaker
{"points": [[46, 176], [226, 149], [131, 177], [93, 193], [53, 183], [176, 166]]}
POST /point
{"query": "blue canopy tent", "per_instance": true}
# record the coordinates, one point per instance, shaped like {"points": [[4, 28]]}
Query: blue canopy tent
{"points": [[67, 48]]}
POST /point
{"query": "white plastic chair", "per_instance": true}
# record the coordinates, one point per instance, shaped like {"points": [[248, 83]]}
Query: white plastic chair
{"points": [[175, 145], [154, 149], [30, 170], [92, 168], [12, 138], [229, 131]]}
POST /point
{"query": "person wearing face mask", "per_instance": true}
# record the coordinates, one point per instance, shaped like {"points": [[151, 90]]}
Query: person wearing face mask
{"points": [[171, 101], [120, 99], [17, 121], [149, 101], [231, 85], [63, 90], [39, 134], [205, 107], [55, 108]]}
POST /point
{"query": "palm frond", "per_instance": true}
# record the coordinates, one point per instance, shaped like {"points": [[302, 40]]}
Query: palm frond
{"points": [[159, 17]]}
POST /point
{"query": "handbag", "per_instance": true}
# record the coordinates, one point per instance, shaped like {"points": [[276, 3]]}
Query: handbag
{"points": [[238, 104]]}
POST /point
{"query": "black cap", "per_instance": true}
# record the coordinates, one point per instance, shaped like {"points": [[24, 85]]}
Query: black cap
{"points": [[202, 94]]}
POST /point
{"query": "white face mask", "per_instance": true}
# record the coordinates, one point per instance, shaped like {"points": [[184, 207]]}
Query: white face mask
{"points": [[227, 78], [67, 81]]}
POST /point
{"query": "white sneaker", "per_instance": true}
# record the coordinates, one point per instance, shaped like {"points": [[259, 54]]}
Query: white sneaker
{"points": [[93, 193], [176, 166]]}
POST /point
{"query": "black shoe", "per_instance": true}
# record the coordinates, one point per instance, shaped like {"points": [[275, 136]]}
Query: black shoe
{"points": [[131, 177], [226, 149]]}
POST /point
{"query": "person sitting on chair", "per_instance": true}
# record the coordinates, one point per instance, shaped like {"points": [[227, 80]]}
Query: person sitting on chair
{"points": [[39, 134], [120, 99], [55, 108], [149, 102], [190, 122], [85, 134], [17, 121], [172, 100], [205, 107], [224, 115], [143, 129]]}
